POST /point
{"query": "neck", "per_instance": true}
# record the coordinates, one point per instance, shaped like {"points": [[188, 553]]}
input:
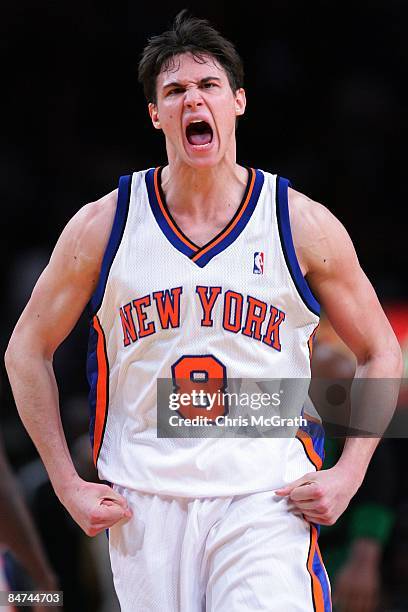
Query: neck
{"points": [[203, 192]]}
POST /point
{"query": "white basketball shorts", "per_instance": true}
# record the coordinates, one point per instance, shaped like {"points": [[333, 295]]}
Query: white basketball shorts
{"points": [[248, 552]]}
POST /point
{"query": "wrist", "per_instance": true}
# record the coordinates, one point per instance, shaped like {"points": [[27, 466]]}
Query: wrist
{"points": [[355, 458], [64, 486], [352, 477]]}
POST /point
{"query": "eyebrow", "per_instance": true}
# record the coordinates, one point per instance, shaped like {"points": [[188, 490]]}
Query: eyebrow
{"points": [[200, 82]]}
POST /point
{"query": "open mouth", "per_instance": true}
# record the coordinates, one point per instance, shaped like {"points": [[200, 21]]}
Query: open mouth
{"points": [[199, 133]]}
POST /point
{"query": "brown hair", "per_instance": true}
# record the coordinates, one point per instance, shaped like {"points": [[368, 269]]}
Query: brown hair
{"points": [[188, 35]]}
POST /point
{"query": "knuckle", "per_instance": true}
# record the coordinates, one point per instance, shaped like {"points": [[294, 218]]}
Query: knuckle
{"points": [[318, 493], [93, 531], [94, 517], [312, 519], [88, 530]]}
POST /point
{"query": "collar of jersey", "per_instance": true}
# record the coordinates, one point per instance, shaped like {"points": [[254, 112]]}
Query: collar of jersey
{"points": [[202, 255]]}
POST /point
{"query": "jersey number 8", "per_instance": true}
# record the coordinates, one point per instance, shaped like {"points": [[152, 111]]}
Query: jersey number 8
{"points": [[203, 380]]}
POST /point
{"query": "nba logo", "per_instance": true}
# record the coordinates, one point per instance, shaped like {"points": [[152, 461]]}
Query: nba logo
{"points": [[258, 262]]}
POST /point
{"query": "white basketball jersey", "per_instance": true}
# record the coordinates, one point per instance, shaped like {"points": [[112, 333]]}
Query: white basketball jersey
{"points": [[164, 307]]}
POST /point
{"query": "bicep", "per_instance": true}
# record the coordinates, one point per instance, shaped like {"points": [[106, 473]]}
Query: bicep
{"points": [[346, 294], [55, 306]]}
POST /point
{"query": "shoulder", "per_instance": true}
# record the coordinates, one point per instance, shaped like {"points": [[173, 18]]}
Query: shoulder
{"points": [[308, 213], [317, 234], [94, 218], [83, 241]]}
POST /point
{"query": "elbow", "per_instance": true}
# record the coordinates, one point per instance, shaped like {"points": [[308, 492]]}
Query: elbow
{"points": [[23, 348], [10, 358], [392, 358], [387, 359], [399, 361], [16, 350]]}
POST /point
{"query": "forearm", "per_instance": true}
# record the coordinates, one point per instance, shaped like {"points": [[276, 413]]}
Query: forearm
{"points": [[36, 395], [374, 396], [94, 506], [355, 458]]}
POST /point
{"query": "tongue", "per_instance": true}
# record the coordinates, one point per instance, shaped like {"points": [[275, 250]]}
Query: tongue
{"points": [[200, 139]]}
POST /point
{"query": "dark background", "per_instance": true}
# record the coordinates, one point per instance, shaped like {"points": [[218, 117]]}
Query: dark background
{"points": [[325, 86], [325, 83]]}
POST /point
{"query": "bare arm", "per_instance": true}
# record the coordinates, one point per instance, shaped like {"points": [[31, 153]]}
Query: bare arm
{"points": [[58, 299], [329, 262]]}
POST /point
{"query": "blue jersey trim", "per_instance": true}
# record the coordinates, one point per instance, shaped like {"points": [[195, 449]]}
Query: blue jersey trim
{"points": [[282, 210], [255, 179], [316, 432], [93, 373], [114, 241], [319, 571], [161, 221]]}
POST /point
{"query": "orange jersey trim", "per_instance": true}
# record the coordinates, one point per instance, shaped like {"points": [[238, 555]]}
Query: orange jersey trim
{"points": [[309, 417], [101, 389], [167, 216], [317, 591], [307, 443], [311, 339]]}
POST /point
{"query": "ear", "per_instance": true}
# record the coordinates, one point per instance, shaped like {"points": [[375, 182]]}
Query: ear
{"points": [[240, 102], [154, 115]]}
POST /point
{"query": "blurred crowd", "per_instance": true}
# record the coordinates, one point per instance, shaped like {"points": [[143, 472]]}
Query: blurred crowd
{"points": [[325, 109], [366, 551]]}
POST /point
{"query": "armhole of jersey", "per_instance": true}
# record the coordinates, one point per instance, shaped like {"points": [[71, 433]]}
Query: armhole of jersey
{"points": [[282, 212], [115, 238]]}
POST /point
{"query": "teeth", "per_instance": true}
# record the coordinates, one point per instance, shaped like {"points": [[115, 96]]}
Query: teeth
{"points": [[196, 121]]}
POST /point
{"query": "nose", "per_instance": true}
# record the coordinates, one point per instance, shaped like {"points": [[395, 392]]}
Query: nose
{"points": [[192, 98]]}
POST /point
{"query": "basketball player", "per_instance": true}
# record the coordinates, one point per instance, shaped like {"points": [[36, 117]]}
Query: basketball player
{"points": [[201, 266]]}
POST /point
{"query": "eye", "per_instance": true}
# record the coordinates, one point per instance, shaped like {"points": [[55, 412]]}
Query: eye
{"points": [[175, 90], [209, 85]]}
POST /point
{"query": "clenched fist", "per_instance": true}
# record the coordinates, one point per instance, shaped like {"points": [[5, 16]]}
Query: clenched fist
{"points": [[94, 506], [321, 497]]}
